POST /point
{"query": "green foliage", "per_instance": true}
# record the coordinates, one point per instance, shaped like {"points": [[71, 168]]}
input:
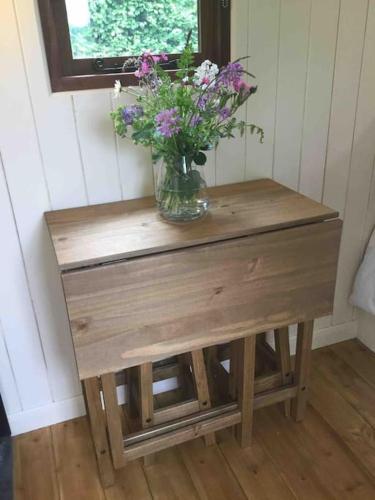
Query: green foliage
{"points": [[204, 113], [129, 27], [118, 122], [183, 117]]}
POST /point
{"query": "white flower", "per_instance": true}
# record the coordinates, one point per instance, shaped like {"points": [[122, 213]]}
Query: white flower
{"points": [[117, 89], [205, 73]]}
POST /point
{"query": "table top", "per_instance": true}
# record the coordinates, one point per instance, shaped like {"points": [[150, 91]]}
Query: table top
{"points": [[98, 234]]}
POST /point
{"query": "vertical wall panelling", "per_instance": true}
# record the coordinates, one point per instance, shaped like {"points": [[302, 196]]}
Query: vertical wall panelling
{"points": [[264, 20], [360, 175], [230, 155], [293, 53], [53, 116], [323, 36], [210, 168], [349, 50], [315, 103], [8, 387], [27, 187], [344, 100], [98, 146], [17, 316], [136, 171]]}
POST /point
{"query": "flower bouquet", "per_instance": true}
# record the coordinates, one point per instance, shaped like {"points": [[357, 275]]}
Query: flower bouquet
{"points": [[181, 118]]}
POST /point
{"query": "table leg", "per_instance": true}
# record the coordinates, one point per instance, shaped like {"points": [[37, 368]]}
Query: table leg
{"points": [[302, 368], [98, 430], [283, 360], [245, 387]]}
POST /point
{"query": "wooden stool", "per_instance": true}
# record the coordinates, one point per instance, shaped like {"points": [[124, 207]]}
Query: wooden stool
{"points": [[164, 425], [275, 381], [278, 383], [235, 394], [192, 377], [292, 385]]}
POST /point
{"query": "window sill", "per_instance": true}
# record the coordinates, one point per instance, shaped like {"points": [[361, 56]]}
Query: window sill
{"points": [[91, 82]]}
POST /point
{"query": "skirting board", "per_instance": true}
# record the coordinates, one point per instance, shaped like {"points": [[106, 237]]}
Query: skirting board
{"points": [[366, 328], [67, 409]]}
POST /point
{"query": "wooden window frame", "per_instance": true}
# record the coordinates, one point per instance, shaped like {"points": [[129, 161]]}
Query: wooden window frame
{"points": [[67, 74]]}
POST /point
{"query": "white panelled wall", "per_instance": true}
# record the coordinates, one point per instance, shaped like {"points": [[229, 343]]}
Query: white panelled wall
{"points": [[315, 66]]}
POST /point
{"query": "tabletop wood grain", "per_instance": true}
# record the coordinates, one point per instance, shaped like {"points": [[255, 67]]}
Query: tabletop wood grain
{"points": [[148, 308], [104, 233]]}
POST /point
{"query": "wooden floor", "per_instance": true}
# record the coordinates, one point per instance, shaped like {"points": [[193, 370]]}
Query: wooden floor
{"points": [[330, 455]]}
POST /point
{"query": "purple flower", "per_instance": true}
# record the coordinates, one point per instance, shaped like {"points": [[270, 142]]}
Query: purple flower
{"points": [[130, 113], [168, 122], [195, 120], [224, 113], [231, 74], [202, 101]]}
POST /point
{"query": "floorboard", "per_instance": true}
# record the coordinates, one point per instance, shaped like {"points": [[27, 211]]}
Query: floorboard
{"points": [[359, 357], [255, 470], [330, 455], [35, 470], [210, 472], [168, 477], [345, 420], [131, 484], [75, 461]]}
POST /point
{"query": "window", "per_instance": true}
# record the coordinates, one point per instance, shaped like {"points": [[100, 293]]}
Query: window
{"points": [[88, 41]]}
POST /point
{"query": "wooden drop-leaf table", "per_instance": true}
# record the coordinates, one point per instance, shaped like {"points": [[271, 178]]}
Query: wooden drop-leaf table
{"points": [[139, 290]]}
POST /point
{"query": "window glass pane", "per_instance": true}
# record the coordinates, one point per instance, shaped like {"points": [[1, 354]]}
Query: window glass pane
{"points": [[115, 28]]}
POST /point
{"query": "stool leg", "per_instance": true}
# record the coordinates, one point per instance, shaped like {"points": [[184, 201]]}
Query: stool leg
{"points": [[132, 380], [211, 359], [233, 370], [113, 419], [201, 384], [302, 368], [146, 401], [211, 354], [283, 360], [98, 430], [184, 376], [233, 374], [245, 387]]}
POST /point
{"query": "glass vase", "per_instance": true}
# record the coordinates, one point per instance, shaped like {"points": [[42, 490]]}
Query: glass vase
{"points": [[181, 190]]}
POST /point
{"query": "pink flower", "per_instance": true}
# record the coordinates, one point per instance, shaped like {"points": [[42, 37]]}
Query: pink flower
{"points": [[146, 63], [160, 58], [205, 80], [241, 85], [143, 70]]}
